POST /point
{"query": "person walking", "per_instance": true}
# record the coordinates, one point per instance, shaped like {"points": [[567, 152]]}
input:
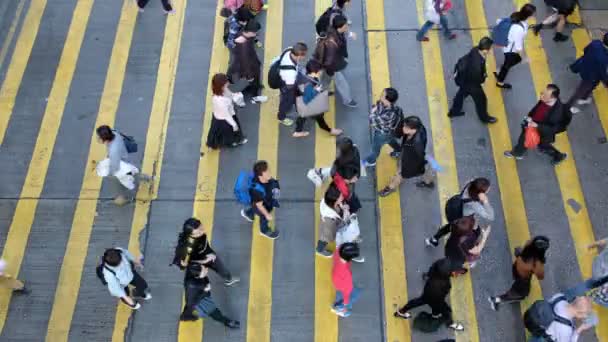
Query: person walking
{"points": [[550, 117], [9, 282], [435, 14], [347, 156], [264, 192], [118, 269], [561, 10], [465, 244], [245, 64], [384, 119], [413, 157], [332, 53], [333, 213], [342, 278], [225, 129], [167, 7], [514, 51], [325, 21], [234, 25], [198, 291], [570, 320], [193, 246], [289, 69], [309, 86], [436, 288], [592, 68], [529, 260], [469, 75], [117, 153]]}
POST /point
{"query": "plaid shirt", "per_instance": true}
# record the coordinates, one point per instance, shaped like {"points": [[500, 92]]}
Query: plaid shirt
{"points": [[234, 27], [385, 119]]}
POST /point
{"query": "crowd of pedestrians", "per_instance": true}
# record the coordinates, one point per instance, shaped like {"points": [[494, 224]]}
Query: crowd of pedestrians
{"points": [[304, 84]]}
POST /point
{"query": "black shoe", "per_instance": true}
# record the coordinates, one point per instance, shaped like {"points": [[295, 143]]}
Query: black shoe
{"points": [[271, 234], [385, 192], [490, 120], [395, 154], [431, 242], [188, 317], [504, 85], [510, 154], [232, 324], [454, 115], [422, 184], [22, 291], [559, 159], [536, 28], [559, 37]]}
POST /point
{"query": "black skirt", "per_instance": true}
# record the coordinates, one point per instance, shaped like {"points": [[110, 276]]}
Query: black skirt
{"points": [[221, 133]]}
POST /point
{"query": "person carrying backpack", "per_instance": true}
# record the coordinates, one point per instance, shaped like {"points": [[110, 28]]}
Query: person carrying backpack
{"points": [[117, 271], [325, 21], [557, 320], [384, 120], [550, 117], [286, 74], [437, 286], [435, 14], [529, 260], [561, 10], [592, 67], [510, 33], [264, 193], [118, 148], [469, 75]]}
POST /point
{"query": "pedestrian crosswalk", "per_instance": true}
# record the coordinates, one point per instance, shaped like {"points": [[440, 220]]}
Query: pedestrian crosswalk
{"points": [[202, 181]]}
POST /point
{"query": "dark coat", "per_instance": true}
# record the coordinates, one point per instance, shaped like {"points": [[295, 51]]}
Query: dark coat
{"points": [[332, 52], [476, 73], [554, 122], [591, 66], [413, 155], [245, 63]]}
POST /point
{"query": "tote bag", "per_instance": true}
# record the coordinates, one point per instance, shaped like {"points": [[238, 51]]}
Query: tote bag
{"points": [[318, 105]]}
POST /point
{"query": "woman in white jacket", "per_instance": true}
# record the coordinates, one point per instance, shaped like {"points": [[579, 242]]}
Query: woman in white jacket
{"points": [[225, 130], [435, 14]]}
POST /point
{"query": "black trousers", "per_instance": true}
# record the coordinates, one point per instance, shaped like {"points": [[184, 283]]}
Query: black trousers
{"points": [[139, 284], [479, 98], [438, 307], [219, 268], [287, 101], [320, 119], [546, 148], [519, 290], [511, 60], [166, 4], [583, 91]]}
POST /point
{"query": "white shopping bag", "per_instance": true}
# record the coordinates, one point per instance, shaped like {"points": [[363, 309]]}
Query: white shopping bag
{"points": [[349, 232]]}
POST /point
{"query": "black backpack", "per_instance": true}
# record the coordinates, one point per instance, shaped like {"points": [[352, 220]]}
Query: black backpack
{"points": [[541, 314], [454, 206], [322, 24], [274, 72], [460, 70]]}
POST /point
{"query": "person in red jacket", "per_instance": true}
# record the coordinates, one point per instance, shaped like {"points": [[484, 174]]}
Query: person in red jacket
{"points": [[342, 278]]}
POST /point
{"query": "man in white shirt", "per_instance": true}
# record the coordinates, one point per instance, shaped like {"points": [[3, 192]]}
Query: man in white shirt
{"points": [[289, 72], [579, 310], [118, 269]]}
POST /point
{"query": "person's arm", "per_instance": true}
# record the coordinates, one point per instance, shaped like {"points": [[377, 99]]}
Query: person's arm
{"points": [[479, 247], [539, 269], [116, 290], [221, 110], [485, 211], [262, 209], [599, 244], [331, 57]]}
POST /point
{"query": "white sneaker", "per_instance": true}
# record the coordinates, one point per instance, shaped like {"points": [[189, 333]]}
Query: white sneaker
{"points": [[584, 101], [314, 175], [359, 259], [575, 110], [259, 99], [136, 307], [148, 296]]}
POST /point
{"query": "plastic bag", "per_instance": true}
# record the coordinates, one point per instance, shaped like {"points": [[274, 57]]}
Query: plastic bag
{"points": [[532, 137]]}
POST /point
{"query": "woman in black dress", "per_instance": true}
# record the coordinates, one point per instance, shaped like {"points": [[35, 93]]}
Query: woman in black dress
{"points": [[225, 130]]}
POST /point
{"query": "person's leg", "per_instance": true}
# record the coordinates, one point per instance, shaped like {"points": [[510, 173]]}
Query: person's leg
{"points": [[423, 30], [519, 290], [300, 124], [167, 5], [412, 304], [218, 316], [140, 285], [320, 119], [441, 310], [519, 149], [551, 151], [481, 103], [218, 266], [443, 231], [429, 175], [286, 102], [395, 181], [339, 301], [142, 3], [378, 140], [121, 194], [458, 102], [264, 228], [343, 87], [511, 59], [354, 296], [443, 19]]}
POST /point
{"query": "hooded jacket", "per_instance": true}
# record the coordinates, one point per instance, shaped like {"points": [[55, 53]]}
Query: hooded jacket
{"points": [[592, 65]]}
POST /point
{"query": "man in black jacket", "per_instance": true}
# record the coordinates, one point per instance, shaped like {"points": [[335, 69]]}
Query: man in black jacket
{"points": [[550, 117], [469, 74]]}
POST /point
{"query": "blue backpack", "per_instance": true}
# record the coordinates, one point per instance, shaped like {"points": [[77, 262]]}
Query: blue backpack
{"points": [[500, 32], [243, 183]]}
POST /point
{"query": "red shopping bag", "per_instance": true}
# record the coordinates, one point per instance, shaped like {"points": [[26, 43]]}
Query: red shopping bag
{"points": [[532, 137]]}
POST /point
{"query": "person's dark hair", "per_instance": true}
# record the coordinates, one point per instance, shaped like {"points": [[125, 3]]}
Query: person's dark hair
{"points": [[345, 150], [524, 13], [348, 251], [243, 14], [190, 225], [339, 21], [485, 43], [341, 3], [605, 40], [331, 195], [217, 84], [535, 249], [299, 49], [105, 133], [112, 257], [313, 66], [554, 90], [349, 171], [477, 186], [260, 167], [412, 122], [391, 95], [252, 26]]}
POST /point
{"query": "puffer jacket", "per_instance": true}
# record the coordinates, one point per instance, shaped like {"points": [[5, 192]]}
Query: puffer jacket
{"points": [[330, 222]]}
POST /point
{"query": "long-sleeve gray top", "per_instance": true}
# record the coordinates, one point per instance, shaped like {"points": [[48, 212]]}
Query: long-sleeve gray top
{"points": [[483, 213]]}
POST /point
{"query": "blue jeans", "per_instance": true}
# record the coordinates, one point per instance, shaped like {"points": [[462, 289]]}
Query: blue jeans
{"points": [[354, 295], [251, 211], [379, 139], [427, 26]]}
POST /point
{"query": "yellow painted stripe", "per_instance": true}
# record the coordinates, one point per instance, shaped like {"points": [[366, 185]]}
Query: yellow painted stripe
{"points": [[206, 185], [68, 285], [567, 175], [600, 95], [462, 299], [516, 221], [326, 322], [11, 32], [25, 211], [16, 68], [262, 249], [391, 231], [155, 143]]}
